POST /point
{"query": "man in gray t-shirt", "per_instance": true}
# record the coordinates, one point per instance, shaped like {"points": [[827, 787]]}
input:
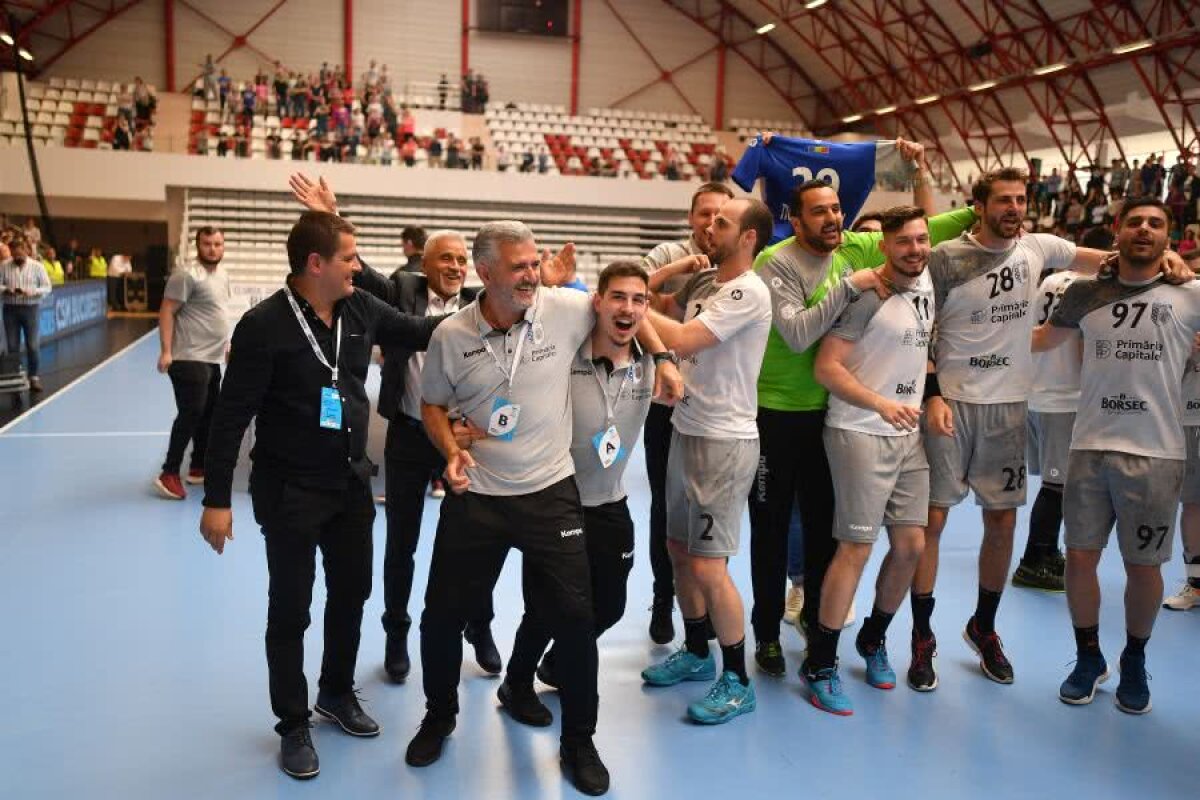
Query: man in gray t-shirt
{"points": [[193, 331]]}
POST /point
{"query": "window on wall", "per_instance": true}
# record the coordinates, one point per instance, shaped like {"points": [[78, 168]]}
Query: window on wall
{"points": [[534, 17]]}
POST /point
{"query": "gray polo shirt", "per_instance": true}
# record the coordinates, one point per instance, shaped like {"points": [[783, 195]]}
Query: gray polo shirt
{"points": [[202, 323], [466, 364], [628, 389]]}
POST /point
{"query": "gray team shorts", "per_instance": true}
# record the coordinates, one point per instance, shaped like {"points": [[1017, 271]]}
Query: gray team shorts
{"points": [[877, 480], [1049, 445], [1191, 475], [986, 455], [707, 486], [1140, 494]]}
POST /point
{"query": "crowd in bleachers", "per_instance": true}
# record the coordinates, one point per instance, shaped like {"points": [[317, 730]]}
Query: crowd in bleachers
{"points": [[90, 114]]}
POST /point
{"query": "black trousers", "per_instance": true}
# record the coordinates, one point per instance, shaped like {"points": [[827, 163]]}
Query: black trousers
{"points": [[296, 521], [474, 535], [656, 438], [608, 530], [197, 385], [792, 464], [410, 459]]}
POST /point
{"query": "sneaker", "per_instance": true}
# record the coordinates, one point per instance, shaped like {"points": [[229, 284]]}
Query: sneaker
{"points": [[851, 615], [681, 666], [825, 689], [922, 672], [1184, 599], [437, 489], [1133, 692], [582, 765], [879, 670], [662, 626], [990, 650], [727, 699], [347, 713], [769, 657], [794, 604], [1059, 562], [1079, 688], [1042, 576], [426, 747], [196, 476], [170, 487], [35, 384], [297, 756], [523, 705]]}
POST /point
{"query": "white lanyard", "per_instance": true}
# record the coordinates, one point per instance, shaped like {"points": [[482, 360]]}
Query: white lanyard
{"points": [[312, 340], [609, 404], [510, 374]]}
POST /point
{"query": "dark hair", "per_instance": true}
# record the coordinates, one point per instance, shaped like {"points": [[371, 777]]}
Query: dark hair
{"points": [[1142, 202], [758, 218], [315, 232], [414, 235], [982, 190], [1098, 238], [208, 230], [803, 189], [870, 216], [709, 188], [893, 219], [625, 268]]}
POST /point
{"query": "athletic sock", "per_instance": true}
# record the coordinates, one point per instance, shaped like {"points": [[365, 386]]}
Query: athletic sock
{"points": [[985, 610], [822, 649], [1193, 570], [1087, 640], [695, 636], [733, 659], [1044, 522], [874, 629], [922, 611], [1135, 646]]}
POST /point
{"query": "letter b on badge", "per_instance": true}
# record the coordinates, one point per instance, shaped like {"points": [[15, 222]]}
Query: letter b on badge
{"points": [[503, 422]]}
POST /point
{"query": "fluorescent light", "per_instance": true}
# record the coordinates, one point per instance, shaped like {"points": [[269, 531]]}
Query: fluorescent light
{"points": [[1133, 47], [25, 54], [885, 110], [852, 118], [1046, 70], [811, 4], [765, 29], [6, 37], [979, 87], [932, 98]]}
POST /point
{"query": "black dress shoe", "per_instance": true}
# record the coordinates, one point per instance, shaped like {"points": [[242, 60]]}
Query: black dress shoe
{"points": [[523, 705], [486, 654], [347, 713], [583, 767], [426, 747], [297, 756], [662, 626], [395, 659], [546, 673]]}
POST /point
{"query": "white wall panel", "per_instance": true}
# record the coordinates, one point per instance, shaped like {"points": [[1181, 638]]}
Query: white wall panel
{"points": [[525, 68], [747, 94], [418, 40], [130, 45]]}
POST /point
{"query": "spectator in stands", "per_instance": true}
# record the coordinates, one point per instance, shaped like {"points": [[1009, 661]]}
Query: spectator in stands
{"points": [[503, 157], [321, 115], [1095, 207], [118, 267], [452, 153], [1188, 243], [672, 170], [32, 233], [1118, 176], [210, 78], [385, 80], [543, 159], [467, 93], [1074, 215], [97, 265], [281, 90], [1135, 181], [1115, 202], [482, 94], [71, 258], [1053, 186], [718, 170], [224, 85], [144, 100], [25, 283], [261, 91], [412, 242], [1150, 178], [408, 125], [443, 89], [371, 76], [341, 118], [122, 140], [1192, 213], [477, 153], [274, 147], [298, 98], [54, 267], [408, 152], [1177, 201], [435, 152]]}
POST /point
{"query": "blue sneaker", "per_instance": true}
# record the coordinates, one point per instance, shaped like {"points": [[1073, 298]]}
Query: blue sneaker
{"points": [[1133, 692], [727, 699], [826, 691], [879, 670], [681, 666], [1079, 688]]}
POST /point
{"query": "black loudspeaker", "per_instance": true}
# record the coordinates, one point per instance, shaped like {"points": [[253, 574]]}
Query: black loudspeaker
{"points": [[155, 266]]}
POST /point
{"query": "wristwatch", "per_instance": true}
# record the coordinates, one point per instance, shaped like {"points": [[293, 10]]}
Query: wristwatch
{"points": [[665, 355]]}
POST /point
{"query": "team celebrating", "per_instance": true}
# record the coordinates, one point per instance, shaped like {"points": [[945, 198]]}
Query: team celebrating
{"points": [[855, 380]]}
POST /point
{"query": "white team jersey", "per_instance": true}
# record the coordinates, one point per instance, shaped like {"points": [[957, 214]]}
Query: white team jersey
{"points": [[1055, 372], [1191, 392], [985, 305], [1137, 341], [889, 356], [720, 399]]}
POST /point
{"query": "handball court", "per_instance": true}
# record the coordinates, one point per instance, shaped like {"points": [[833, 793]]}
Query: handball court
{"points": [[134, 661]]}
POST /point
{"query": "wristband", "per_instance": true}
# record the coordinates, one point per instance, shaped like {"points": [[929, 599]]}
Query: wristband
{"points": [[932, 389]]}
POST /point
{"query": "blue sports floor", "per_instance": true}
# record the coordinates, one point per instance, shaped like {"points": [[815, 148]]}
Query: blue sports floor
{"points": [[133, 658]]}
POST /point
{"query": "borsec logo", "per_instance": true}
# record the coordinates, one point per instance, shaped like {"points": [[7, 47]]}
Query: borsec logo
{"points": [[1160, 313], [736, 294], [1103, 348]]}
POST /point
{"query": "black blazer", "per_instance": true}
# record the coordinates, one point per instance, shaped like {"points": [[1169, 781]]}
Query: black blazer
{"points": [[407, 292]]}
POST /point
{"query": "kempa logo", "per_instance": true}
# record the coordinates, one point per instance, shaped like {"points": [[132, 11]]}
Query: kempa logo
{"points": [[864, 528], [627, 556], [472, 353], [907, 389], [1124, 404], [990, 361], [1103, 348], [570, 533]]}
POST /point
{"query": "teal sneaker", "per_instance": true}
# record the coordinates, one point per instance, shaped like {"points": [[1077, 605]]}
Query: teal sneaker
{"points": [[727, 699], [681, 666], [879, 670], [826, 691]]}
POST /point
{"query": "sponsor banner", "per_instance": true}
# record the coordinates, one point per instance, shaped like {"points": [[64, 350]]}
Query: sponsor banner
{"points": [[71, 307]]}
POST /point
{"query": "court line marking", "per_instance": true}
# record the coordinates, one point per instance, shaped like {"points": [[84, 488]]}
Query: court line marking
{"points": [[86, 434], [123, 351]]}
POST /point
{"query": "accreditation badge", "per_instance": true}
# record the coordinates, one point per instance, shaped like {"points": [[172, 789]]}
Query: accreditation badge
{"points": [[503, 422], [331, 408], [608, 446]]}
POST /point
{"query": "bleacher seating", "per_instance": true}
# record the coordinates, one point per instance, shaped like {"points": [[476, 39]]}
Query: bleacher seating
{"points": [[70, 113], [749, 128]]}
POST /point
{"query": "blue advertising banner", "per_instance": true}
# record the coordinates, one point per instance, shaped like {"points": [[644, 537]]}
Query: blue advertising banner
{"points": [[73, 306]]}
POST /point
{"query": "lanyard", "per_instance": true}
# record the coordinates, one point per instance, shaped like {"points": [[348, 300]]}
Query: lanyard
{"points": [[609, 404], [510, 374], [312, 340]]}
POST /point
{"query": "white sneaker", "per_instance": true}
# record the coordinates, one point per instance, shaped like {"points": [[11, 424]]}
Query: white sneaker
{"points": [[1185, 598], [850, 616], [794, 604]]}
